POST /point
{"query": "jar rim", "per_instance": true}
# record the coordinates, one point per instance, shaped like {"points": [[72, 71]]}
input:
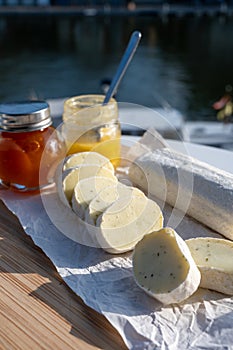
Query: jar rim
{"points": [[86, 101], [86, 110]]}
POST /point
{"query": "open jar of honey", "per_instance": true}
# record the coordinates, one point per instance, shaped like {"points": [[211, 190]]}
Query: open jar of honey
{"points": [[90, 125], [25, 133]]}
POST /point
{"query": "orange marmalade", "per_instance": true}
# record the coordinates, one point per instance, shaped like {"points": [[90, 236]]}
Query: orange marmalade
{"points": [[25, 132]]}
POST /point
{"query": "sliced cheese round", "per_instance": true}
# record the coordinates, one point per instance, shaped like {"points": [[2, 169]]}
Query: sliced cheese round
{"points": [[164, 268], [126, 221], [71, 177], [106, 197], [87, 189], [214, 258], [83, 158]]}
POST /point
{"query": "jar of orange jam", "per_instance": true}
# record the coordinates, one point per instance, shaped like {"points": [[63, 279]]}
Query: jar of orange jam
{"points": [[91, 126], [25, 133]]}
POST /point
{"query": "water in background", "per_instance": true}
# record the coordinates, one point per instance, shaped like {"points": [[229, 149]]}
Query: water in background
{"points": [[184, 62]]}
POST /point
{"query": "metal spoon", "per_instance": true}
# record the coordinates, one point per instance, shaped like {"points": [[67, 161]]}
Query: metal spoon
{"points": [[127, 57]]}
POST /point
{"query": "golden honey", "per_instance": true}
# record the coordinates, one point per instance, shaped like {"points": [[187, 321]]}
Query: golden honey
{"points": [[91, 126]]}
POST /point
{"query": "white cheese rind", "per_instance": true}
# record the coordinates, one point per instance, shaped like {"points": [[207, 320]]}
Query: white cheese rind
{"points": [[202, 191], [164, 268], [125, 222], [83, 158], [214, 258], [87, 189]]}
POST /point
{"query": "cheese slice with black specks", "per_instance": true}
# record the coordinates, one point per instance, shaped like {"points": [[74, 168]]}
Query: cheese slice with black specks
{"points": [[214, 258], [71, 177], [106, 197], [164, 268], [87, 189]]}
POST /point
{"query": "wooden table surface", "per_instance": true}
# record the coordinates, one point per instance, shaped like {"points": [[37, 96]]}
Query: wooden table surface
{"points": [[37, 309]]}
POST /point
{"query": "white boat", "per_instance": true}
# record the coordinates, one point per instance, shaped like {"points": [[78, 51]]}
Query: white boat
{"points": [[215, 134], [136, 119], [169, 122]]}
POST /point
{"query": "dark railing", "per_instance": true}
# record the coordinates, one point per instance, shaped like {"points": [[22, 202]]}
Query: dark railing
{"points": [[163, 8], [115, 3]]}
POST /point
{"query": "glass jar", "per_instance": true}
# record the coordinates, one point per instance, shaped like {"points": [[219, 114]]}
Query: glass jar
{"points": [[25, 132], [91, 126]]}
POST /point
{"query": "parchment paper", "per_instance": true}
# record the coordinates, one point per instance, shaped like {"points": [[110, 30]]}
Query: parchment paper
{"points": [[105, 283]]}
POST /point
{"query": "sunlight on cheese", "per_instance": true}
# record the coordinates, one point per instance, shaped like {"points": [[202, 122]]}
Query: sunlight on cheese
{"points": [[106, 197], [125, 222], [83, 158], [73, 175], [87, 189], [212, 252], [214, 258]]}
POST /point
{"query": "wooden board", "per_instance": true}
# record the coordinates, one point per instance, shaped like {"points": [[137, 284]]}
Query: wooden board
{"points": [[37, 309]]}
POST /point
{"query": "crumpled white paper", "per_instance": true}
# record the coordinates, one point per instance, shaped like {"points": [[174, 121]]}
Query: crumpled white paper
{"points": [[105, 283]]}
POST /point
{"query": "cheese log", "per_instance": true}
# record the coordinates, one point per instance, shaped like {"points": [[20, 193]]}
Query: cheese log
{"points": [[164, 268], [81, 158], [202, 191], [87, 189], [71, 177], [126, 221], [214, 258], [106, 197]]}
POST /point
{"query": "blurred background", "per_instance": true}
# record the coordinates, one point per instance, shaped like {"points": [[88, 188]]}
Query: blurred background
{"points": [[57, 49]]}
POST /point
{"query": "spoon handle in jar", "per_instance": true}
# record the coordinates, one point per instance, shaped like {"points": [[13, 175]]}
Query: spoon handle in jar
{"points": [[127, 57]]}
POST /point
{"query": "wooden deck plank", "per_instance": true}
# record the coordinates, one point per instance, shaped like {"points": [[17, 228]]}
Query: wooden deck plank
{"points": [[37, 309]]}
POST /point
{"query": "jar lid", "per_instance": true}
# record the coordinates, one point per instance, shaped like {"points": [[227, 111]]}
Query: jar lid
{"points": [[24, 116]]}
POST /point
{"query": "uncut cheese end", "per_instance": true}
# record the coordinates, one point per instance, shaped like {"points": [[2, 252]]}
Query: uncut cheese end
{"points": [[196, 188], [164, 268]]}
